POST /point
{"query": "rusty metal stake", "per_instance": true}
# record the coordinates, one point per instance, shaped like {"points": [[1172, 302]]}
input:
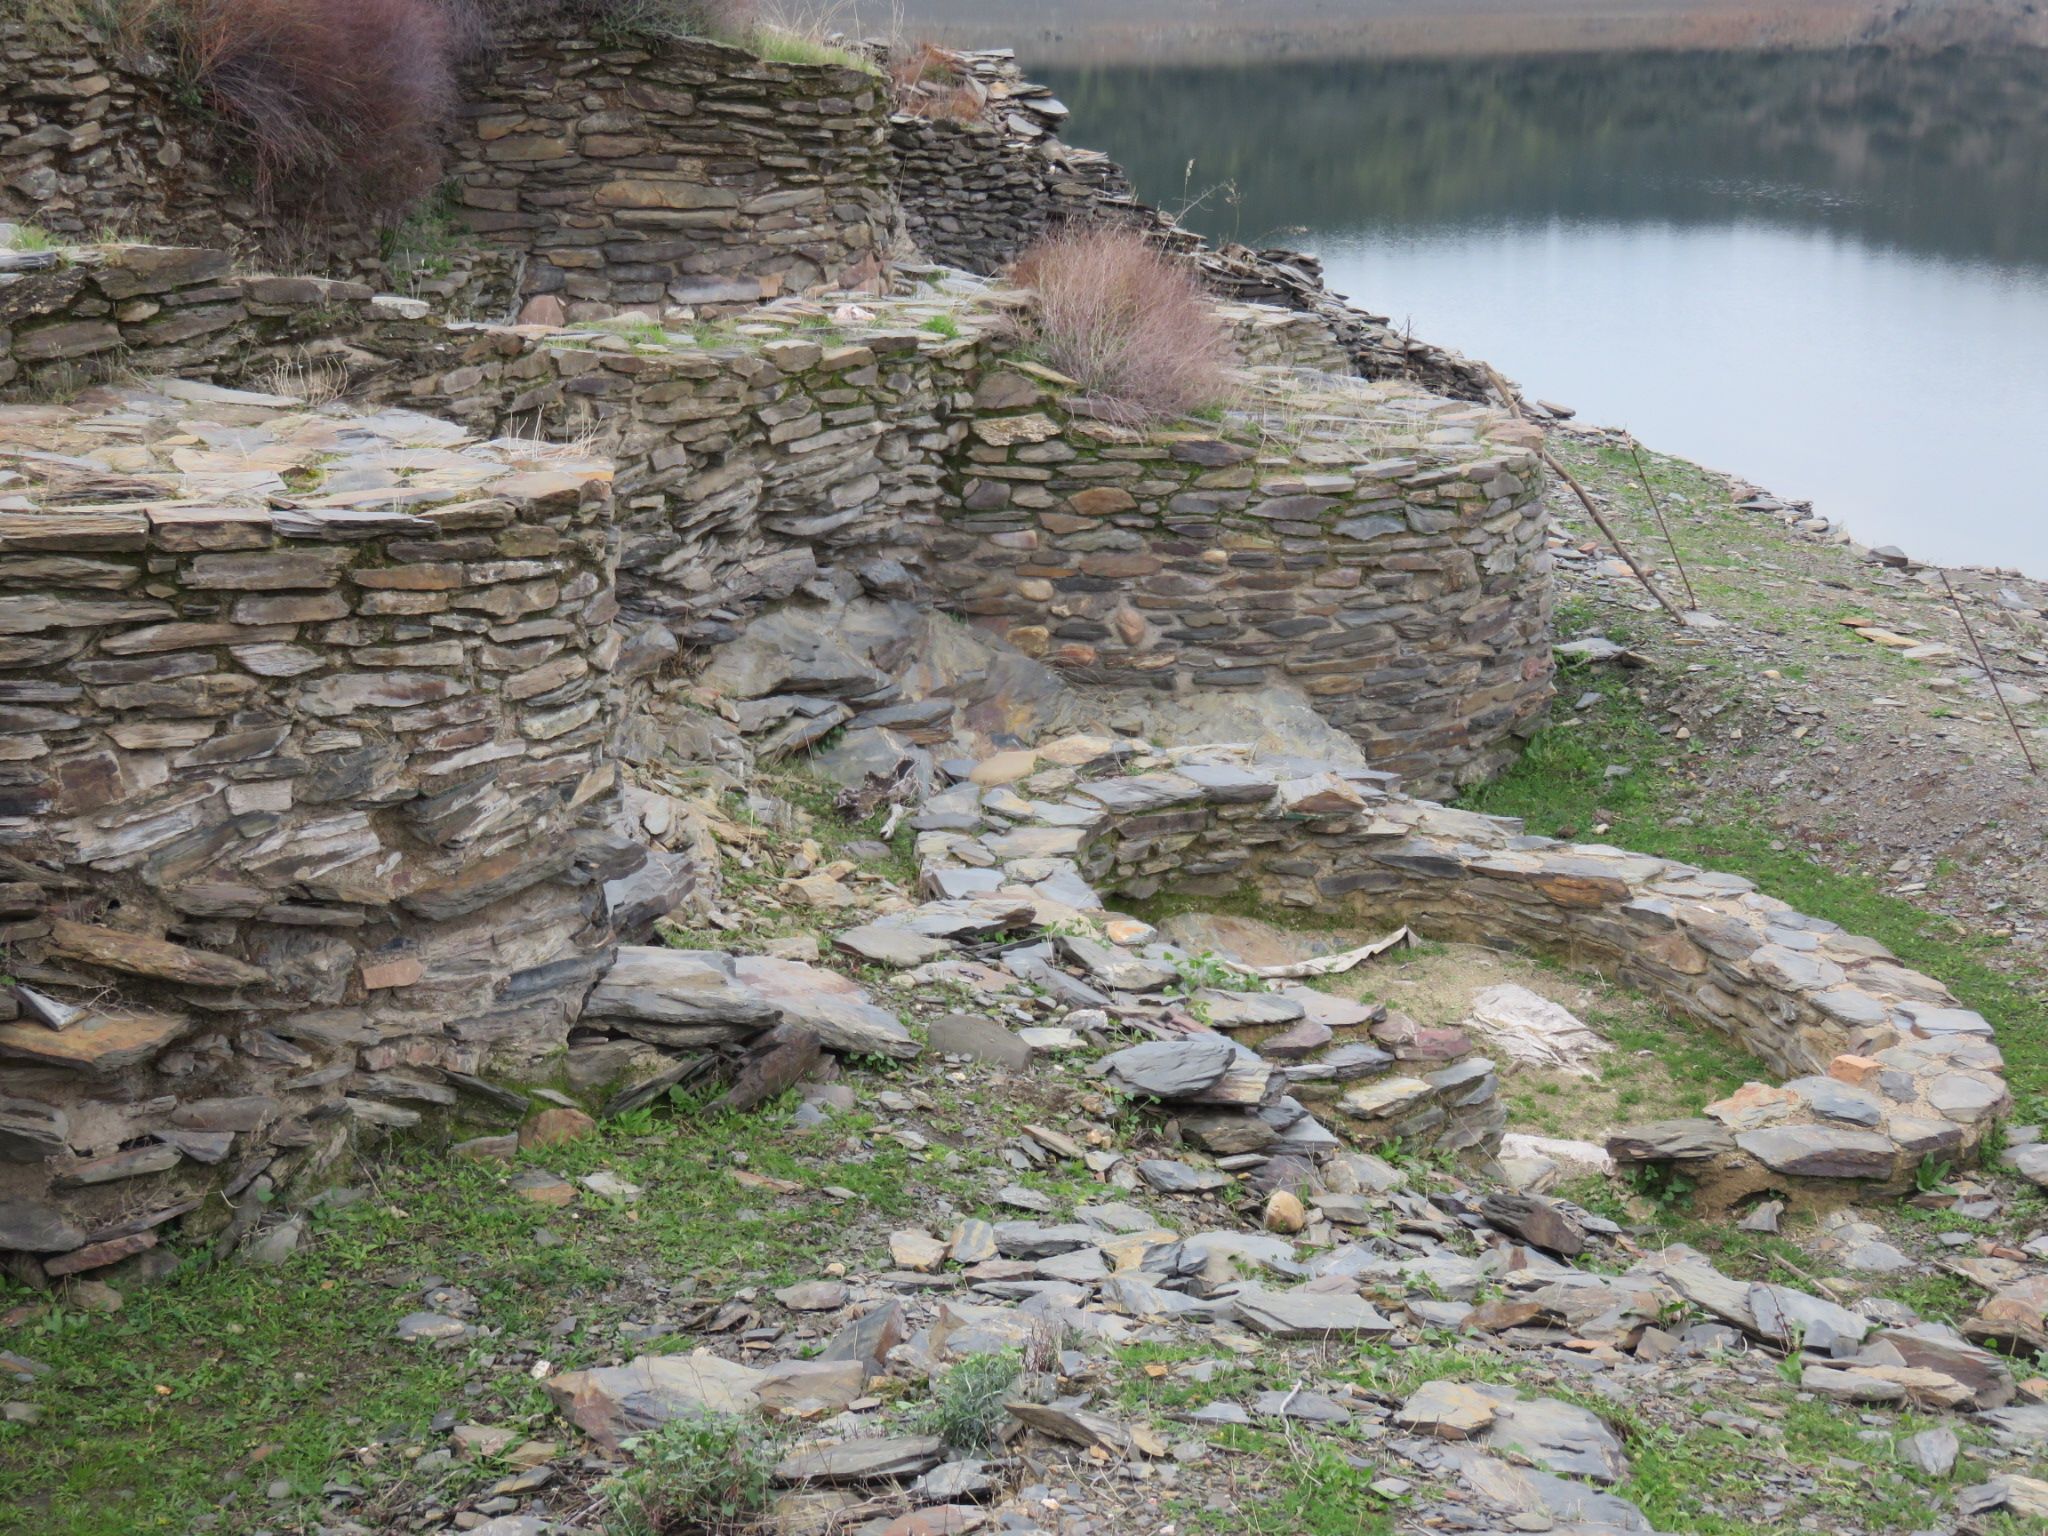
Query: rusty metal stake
{"points": [[1543, 452], [1991, 677], [1691, 597]]}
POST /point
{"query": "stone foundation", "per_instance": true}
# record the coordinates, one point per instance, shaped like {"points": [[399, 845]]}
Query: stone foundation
{"points": [[1885, 1068], [1389, 561], [306, 766]]}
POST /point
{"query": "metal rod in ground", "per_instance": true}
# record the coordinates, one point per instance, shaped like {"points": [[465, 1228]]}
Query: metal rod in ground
{"points": [[1990, 676], [1514, 404], [1612, 537], [1691, 597]]}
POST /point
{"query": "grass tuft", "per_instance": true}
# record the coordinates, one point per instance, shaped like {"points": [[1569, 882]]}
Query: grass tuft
{"points": [[966, 1410], [702, 1472]]}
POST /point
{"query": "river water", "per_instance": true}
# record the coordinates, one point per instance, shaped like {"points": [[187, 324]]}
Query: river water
{"points": [[1827, 272]]}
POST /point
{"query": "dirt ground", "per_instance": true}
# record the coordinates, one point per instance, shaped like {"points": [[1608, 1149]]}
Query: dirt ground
{"points": [[1659, 1066]]}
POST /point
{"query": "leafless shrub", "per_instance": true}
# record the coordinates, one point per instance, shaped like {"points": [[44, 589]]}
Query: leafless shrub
{"points": [[344, 98], [930, 81], [1126, 322]]}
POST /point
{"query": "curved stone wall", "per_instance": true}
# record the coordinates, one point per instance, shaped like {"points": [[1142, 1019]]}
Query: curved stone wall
{"points": [[304, 738], [1389, 561], [1387, 558], [688, 173], [1884, 1066], [693, 173]]}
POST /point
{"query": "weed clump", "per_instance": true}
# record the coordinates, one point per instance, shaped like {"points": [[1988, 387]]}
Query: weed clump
{"points": [[346, 97], [930, 82], [1126, 322], [702, 1472], [966, 1410]]}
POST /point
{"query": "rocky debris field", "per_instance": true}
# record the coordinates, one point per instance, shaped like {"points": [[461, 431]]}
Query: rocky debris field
{"points": [[1014, 1239]]}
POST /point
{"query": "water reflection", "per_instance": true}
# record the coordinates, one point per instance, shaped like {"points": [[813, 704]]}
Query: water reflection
{"points": [[1827, 271]]}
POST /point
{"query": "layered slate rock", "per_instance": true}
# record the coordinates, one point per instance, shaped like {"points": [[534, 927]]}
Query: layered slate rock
{"points": [[308, 722]]}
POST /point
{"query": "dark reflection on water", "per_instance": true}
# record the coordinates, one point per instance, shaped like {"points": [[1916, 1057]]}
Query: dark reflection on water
{"points": [[1650, 236]]}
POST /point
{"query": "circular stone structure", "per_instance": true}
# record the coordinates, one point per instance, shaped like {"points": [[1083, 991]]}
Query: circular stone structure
{"points": [[1882, 1066]]}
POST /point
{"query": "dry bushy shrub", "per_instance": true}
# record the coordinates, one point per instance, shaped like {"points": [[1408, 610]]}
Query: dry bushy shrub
{"points": [[653, 20], [1127, 322], [929, 82], [347, 99]]}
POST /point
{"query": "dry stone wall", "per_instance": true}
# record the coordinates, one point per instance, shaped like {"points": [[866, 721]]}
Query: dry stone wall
{"points": [[978, 193], [92, 143], [1395, 571], [742, 467], [1389, 560], [1884, 1066], [691, 174], [621, 177], [305, 728], [89, 312]]}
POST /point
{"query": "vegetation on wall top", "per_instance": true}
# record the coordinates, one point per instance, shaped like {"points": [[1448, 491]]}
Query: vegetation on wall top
{"points": [[347, 104]]}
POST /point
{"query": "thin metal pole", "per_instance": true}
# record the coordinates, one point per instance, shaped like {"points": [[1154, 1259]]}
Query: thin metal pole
{"points": [[1543, 452], [1691, 597], [1990, 676]]}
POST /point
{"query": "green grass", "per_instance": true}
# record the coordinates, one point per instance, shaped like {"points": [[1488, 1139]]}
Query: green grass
{"points": [[1313, 1490], [31, 237], [780, 45], [217, 1382], [1560, 788]]}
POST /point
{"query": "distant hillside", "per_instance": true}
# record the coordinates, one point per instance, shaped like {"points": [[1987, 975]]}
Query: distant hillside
{"points": [[1192, 31]]}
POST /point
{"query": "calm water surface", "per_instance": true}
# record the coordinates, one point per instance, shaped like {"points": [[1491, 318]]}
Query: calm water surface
{"points": [[1828, 273]]}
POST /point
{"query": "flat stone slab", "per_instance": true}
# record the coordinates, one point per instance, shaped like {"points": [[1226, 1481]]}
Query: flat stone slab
{"points": [[1563, 1437], [678, 986], [1171, 1069], [840, 1011], [1306, 1314], [863, 1461], [901, 948], [99, 1043], [1821, 1151], [614, 1403], [1448, 1410]]}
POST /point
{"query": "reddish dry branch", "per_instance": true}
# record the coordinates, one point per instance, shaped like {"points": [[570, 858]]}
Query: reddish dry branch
{"points": [[349, 95]]}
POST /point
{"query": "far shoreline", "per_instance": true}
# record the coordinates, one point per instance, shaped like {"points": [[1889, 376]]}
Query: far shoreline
{"points": [[1201, 32]]}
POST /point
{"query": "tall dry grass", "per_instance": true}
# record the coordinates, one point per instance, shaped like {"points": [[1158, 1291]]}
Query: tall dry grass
{"points": [[1128, 323], [347, 97]]}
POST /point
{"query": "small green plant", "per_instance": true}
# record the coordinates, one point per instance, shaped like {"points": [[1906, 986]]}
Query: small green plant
{"points": [[1209, 970], [943, 325], [966, 1410], [1931, 1176], [29, 237], [634, 1122], [1793, 1366], [1663, 1185], [707, 1472]]}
